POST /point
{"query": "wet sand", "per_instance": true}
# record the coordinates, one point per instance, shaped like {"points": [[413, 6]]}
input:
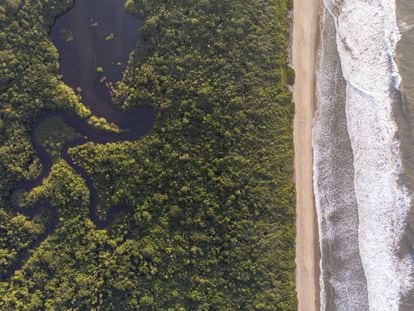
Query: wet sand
{"points": [[304, 48]]}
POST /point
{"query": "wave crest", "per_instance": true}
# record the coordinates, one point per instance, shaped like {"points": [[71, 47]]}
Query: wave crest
{"points": [[367, 34]]}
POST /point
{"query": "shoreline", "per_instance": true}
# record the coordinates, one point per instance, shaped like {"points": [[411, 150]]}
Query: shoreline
{"points": [[305, 35]]}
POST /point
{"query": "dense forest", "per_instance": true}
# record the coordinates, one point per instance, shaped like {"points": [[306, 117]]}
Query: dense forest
{"points": [[210, 187]]}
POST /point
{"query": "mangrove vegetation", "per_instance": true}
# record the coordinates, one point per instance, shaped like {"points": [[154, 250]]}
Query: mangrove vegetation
{"points": [[193, 213]]}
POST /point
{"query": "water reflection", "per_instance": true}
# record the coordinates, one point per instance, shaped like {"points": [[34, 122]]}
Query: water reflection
{"points": [[94, 40]]}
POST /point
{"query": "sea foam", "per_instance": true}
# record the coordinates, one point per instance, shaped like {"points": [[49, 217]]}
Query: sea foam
{"points": [[367, 34], [343, 282]]}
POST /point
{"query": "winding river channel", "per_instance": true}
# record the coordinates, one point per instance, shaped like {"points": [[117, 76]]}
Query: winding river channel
{"points": [[94, 39]]}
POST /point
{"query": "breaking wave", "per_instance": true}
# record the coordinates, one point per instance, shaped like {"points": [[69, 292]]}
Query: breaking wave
{"points": [[366, 37]]}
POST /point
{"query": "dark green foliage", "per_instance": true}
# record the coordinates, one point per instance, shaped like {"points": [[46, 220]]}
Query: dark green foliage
{"points": [[290, 72], [16, 233], [211, 186], [65, 191], [53, 133], [29, 84]]}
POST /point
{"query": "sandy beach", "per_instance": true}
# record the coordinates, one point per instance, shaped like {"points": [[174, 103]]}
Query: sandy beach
{"points": [[304, 48]]}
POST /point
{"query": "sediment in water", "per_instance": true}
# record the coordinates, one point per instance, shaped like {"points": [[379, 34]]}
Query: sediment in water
{"points": [[362, 197], [343, 282], [404, 116]]}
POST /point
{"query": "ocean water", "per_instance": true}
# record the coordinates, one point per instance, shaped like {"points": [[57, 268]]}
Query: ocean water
{"points": [[363, 195], [405, 51], [343, 282], [404, 112]]}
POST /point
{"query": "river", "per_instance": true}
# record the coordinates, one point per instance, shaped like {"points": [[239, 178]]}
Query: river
{"points": [[95, 39]]}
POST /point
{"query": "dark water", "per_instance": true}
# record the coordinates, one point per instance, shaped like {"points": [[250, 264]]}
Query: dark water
{"points": [[94, 33]]}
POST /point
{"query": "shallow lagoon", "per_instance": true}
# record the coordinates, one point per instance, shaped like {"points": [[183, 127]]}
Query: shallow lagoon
{"points": [[94, 40]]}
